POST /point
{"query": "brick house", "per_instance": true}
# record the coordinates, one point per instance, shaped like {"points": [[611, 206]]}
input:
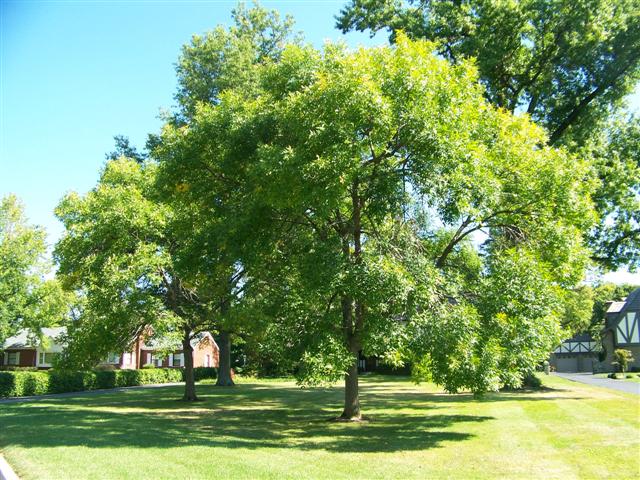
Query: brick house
{"points": [[23, 350], [205, 353]]}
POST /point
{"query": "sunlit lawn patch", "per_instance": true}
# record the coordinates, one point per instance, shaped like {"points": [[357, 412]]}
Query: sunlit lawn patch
{"points": [[273, 429]]}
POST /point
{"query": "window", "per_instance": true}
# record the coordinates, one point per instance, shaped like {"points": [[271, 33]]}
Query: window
{"points": [[177, 360], [113, 358], [127, 359], [157, 361], [207, 360], [46, 358], [13, 358]]}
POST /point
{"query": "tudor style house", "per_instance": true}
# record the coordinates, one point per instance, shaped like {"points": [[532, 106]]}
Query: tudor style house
{"points": [[577, 354], [23, 350], [621, 330]]}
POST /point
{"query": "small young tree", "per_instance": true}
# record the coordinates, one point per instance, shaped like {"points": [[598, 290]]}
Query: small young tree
{"points": [[622, 359]]}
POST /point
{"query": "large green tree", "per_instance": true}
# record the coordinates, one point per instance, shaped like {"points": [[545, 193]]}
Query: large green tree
{"points": [[205, 224], [220, 60], [616, 153], [365, 174], [569, 64], [125, 251], [225, 58], [27, 298]]}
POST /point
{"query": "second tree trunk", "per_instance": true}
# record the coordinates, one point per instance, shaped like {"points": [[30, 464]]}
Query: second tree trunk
{"points": [[189, 377], [224, 361]]}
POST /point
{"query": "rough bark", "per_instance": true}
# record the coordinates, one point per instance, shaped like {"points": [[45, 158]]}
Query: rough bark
{"points": [[351, 397], [353, 321], [224, 361], [189, 378]]}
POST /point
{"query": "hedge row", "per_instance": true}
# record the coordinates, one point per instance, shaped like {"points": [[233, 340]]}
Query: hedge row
{"points": [[24, 383]]}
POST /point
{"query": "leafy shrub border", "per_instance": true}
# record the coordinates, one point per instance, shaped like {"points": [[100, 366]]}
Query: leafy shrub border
{"points": [[27, 383]]}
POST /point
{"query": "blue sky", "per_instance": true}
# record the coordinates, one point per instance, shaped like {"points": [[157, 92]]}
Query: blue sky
{"points": [[75, 73]]}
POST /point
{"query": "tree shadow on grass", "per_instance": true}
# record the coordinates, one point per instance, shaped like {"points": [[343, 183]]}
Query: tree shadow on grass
{"points": [[247, 416], [243, 417]]}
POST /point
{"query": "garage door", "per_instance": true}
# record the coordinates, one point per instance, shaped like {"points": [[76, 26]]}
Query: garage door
{"points": [[567, 364]]}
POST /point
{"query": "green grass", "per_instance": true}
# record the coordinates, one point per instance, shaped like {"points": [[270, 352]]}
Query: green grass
{"points": [[272, 429]]}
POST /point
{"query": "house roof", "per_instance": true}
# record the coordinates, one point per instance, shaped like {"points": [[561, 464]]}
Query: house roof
{"points": [[23, 339], [617, 310], [153, 343], [200, 337], [580, 337], [633, 302], [615, 307]]}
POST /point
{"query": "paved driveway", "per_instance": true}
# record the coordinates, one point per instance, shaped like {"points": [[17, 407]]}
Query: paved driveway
{"points": [[590, 379]]}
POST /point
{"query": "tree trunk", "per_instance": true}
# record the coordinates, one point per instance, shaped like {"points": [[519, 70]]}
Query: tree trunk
{"points": [[352, 325], [351, 399], [224, 361], [189, 378]]}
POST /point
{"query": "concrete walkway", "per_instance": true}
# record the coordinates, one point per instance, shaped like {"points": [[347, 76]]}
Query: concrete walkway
{"points": [[590, 379], [86, 393], [6, 472]]}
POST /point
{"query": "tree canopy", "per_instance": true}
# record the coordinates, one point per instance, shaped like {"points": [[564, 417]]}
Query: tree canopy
{"points": [[568, 64], [225, 58], [124, 250], [368, 174], [616, 152], [29, 300]]}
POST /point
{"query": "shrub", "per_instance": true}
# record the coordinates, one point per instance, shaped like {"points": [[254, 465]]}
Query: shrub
{"points": [[623, 358], [8, 384], [19, 369], [24, 383], [34, 383], [126, 378], [158, 375], [106, 378], [531, 381], [61, 381], [200, 373], [20, 384]]}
